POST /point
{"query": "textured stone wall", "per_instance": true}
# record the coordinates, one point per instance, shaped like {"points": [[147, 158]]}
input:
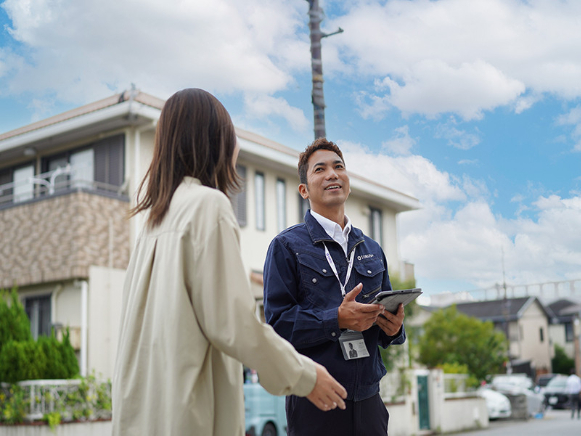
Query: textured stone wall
{"points": [[58, 238]]}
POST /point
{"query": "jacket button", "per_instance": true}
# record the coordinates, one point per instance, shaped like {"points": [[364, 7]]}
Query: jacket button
{"points": [[324, 271], [368, 271], [314, 280], [333, 334]]}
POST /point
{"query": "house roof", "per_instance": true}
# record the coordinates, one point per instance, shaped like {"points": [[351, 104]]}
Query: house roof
{"points": [[138, 96], [134, 107], [499, 310]]}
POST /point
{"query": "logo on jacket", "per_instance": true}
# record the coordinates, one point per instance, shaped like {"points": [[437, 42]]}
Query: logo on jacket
{"points": [[365, 256]]}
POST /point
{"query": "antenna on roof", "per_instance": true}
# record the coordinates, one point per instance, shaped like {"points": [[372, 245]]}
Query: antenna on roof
{"points": [[505, 312]]}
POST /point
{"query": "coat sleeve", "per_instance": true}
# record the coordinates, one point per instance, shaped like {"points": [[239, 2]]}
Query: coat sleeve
{"points": [[302, 327], [226, 311]]}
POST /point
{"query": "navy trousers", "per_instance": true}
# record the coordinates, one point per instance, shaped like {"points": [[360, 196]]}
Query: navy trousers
{"points": [[361, 418]]}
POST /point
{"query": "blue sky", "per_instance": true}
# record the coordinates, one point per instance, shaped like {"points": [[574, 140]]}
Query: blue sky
{"points": [[473, 107]]}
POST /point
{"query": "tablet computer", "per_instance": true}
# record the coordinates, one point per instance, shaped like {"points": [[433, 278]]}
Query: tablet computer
{"points": [[392, 299]]}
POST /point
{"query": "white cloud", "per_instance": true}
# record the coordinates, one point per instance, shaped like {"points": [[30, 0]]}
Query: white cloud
{"points": [[411, 174], [573, 118], [456, 236], [446, 56], [81, 51], [465, 57], [401, 143], [262, 106], [433, 87], [551, 202], [457, 138]]}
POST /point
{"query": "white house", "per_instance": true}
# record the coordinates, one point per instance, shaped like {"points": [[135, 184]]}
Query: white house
{"points": [[67, 182]]}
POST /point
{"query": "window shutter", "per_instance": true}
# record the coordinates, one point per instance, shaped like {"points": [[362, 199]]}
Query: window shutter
{"points": [[239, 199], [109, 162]]}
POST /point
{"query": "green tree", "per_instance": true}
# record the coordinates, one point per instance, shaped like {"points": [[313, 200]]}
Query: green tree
{"points": [[451, 337], [14, 323], [561, 363]]}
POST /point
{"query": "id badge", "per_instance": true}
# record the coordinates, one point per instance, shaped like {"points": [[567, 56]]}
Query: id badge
{"points": [[353, 345]]}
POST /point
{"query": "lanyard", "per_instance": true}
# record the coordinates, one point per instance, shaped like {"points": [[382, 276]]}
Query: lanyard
{"points": [[332, 265]]}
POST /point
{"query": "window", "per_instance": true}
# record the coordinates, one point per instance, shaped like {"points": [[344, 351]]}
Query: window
{"points": [[259, 198], [303, 207], [82, 173], [569, 336], [39, 313], [280, 204], [101, 162], [53, 164], [375, 225], [541, 335], [239, 199], [23, 184]]}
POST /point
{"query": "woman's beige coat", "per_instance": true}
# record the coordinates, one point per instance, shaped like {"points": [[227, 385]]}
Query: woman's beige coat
{"points": [[188, 320]]}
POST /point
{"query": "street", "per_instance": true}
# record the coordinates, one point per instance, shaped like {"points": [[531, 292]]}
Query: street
{"points": [[554, 423]]}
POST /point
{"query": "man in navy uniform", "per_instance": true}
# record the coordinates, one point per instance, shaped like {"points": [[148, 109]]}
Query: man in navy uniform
{"points": [[319, 278]]}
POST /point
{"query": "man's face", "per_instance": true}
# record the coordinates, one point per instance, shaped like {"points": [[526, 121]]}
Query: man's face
{"points": [[327, 181]]}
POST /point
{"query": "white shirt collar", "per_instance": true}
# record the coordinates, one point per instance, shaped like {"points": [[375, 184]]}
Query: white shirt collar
{"points": [[334, 230]]}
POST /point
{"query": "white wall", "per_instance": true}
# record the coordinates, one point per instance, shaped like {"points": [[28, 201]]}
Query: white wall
{"points": [[531, 346], [104, 317], [463, 414], [557, 334]]}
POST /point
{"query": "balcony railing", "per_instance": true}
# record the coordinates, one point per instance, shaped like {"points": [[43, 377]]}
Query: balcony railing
{"points": [[74, 400], [59, 181]]}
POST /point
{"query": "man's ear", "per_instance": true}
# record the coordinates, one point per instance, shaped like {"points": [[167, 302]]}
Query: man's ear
{"points": [[304, 191]]}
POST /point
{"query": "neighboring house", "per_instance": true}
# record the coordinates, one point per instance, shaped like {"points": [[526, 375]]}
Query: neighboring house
{"points": [[564, 315], [527, 323], [67, 182]]}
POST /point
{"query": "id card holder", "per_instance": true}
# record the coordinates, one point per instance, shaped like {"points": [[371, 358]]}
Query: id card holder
{"points": [[353, 345]]}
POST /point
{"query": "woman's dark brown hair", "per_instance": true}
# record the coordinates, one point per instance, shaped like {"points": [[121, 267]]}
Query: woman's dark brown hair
{"points": [[194, 137]]}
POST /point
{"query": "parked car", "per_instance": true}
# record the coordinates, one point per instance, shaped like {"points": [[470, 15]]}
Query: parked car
{"points": [[265, 413], [498, 405], [517, 384], [555, 393], [542, 381]]}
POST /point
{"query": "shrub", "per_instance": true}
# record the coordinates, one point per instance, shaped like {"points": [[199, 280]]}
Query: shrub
{"points": [[22, 360], [561, 363], [55, 368], [14, 323], [70, 362]]}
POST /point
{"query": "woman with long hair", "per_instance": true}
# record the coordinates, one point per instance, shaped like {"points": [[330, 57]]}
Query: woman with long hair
{"points": [[188, 315]]}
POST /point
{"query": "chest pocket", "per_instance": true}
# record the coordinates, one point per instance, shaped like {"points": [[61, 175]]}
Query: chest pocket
{"points": [[318, 281], [370, 272]]}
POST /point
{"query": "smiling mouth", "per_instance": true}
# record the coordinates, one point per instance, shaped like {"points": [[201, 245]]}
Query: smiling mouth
{"points": [[332, 188]]}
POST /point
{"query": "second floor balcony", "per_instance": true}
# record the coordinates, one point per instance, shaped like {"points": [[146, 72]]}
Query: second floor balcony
{"points": [[53, 226]]}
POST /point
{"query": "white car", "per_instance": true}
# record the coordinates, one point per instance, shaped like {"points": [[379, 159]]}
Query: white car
{"points": [[517, 384], [497, 404]]}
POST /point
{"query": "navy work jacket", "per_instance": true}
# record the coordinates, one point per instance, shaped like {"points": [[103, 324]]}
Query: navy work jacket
{"points": [[302, 297]]}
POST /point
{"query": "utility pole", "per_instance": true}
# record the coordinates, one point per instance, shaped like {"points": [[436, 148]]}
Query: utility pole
{"points": [[318, 98]]}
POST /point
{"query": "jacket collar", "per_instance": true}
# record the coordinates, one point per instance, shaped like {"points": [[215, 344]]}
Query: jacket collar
{"points": [[318, 234]]}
